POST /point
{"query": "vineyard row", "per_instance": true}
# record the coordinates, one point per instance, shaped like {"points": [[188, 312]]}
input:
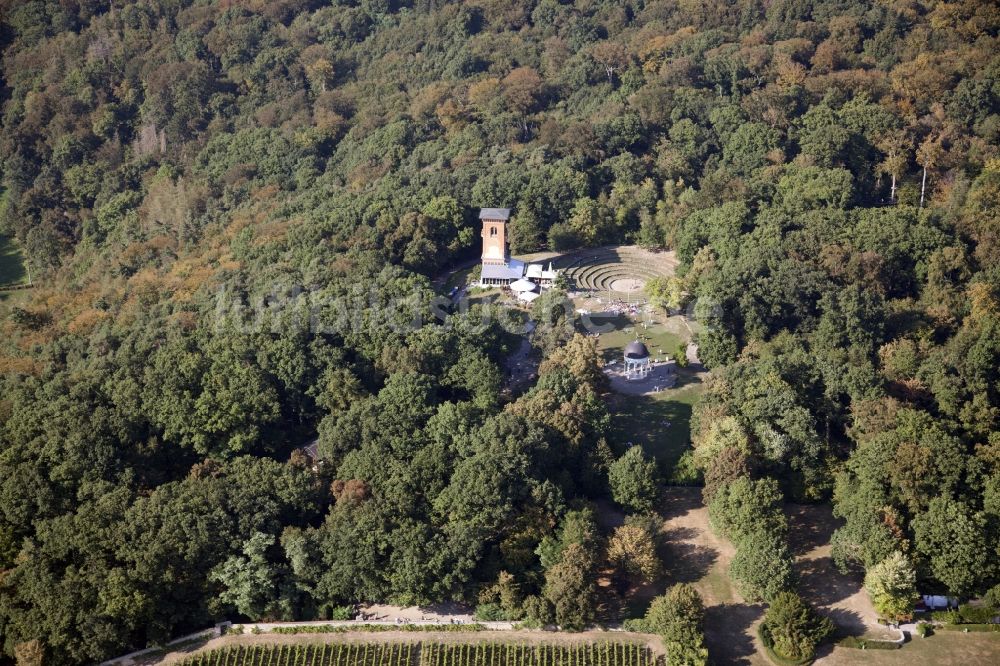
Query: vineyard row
{"points": [[428, 654]]}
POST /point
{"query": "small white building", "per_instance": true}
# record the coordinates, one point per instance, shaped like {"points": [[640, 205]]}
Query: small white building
{"points": [[637, 361]]}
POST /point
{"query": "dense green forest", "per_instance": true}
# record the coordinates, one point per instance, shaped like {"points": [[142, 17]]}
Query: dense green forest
{"points": [[200, 187]]}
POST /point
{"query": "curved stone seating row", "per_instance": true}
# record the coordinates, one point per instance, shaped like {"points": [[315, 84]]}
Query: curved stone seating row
{"points": [[594, 271], [582, 262], [607, 258], [607, 280], [606, 261], [605, 283], [586, 274], [637, 267], [601, 276]]}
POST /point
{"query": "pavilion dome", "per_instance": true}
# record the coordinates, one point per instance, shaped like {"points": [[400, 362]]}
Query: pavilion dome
{"points": [[636, 350]]}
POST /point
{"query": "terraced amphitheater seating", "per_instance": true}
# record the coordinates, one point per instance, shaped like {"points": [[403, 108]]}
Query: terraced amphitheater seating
{"points": [[597, 269]]}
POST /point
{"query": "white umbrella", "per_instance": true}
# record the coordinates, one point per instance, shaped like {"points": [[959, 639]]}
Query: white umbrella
{"points": [[527, 296], [523, 285]]}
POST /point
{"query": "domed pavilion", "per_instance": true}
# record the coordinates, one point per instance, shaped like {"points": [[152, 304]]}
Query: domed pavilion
{"points": [[637, 361]]}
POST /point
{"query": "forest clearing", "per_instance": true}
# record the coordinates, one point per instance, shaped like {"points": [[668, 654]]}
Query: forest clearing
{"points": [[12, 267]]}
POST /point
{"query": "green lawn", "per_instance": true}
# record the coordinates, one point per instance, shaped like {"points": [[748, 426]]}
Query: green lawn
{"points": [[483, 296], [655, 336], [12, 270], [642, 420]]}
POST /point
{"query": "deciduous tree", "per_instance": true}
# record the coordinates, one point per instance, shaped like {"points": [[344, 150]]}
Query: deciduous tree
{"points": [[635, 480], [892, 586]]}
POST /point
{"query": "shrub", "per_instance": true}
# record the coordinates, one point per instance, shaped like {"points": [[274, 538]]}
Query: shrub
{"points": [[638, 625], [794, 628], [685, 472], [537, 612], [966, 615], [490, 612], [992, 597], [971, 627], [678, 616], [768, 642], [728, 465], [501, 601], [374, 628], [977, 614], [867, 644], [924, 629], [746, 506], [946, 617], [891, 584], [632, 550], [342, 613]]}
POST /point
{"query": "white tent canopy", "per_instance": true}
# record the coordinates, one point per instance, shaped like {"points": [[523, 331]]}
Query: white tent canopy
{"points": [[527, 296], [523, 285]]}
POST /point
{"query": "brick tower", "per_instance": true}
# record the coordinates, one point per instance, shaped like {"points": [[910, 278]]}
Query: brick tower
{"points": [[495, 236]]}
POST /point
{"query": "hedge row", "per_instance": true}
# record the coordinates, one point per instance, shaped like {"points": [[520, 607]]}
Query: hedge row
{"points": [[966, 615], [768, 643], [867, 644], [970, 627]]}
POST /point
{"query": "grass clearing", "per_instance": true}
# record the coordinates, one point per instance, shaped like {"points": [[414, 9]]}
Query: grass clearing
{"points": [[483, 296], [659, 422], [12, 268], [657, 338], [941, 649], [643, 420], [459, 278]]}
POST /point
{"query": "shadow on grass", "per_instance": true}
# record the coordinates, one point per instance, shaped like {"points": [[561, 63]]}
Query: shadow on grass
{"points": [[657, 339], [678, 501], [822, 584], [661, 426], [12, 270], [690, 562], [729, 632], [849, 623], [810, 526]]}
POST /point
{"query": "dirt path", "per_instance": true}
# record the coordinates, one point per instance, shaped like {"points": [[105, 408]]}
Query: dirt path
{"points": [[447, 612], [694, 554], [531, 637], [841, 597]]}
